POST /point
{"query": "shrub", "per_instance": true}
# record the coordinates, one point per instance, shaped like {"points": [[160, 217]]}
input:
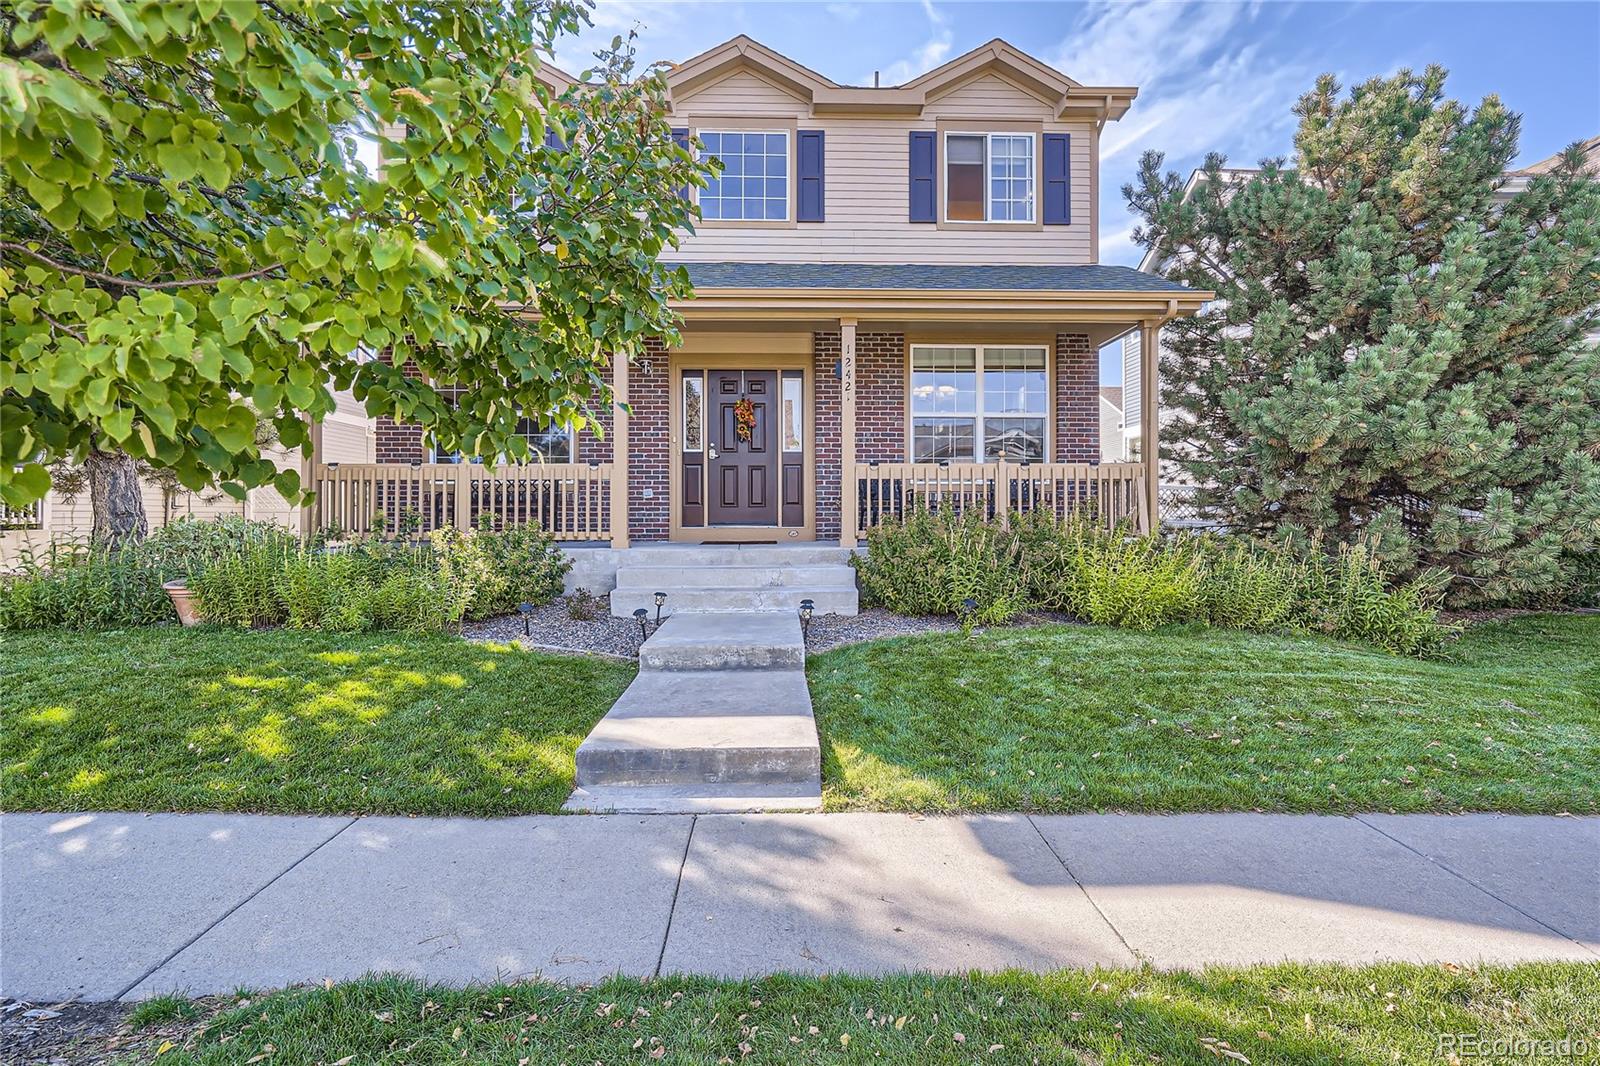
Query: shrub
{"points": [[183, 548], [929, 562], [933, 561], [1247, 586], [244, 586], [87, 590], [526, 567], [1134, 582], [584, 606], [1348, 596]]}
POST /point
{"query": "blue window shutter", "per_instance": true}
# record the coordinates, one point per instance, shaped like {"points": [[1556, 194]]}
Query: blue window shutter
{"points": [[809, 176], [552, 138], [680, 137], [924, 177], [1057, 179]]}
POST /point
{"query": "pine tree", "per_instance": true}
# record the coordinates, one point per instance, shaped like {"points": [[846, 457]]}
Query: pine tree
{"points": [[1395, 355]]}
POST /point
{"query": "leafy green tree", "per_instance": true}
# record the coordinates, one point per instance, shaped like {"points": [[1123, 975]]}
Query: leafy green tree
{"points": [[1396, 354], [190, 242]]}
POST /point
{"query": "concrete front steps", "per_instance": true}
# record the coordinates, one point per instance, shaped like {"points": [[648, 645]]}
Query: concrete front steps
{"points": [[736, 577], [718, 720]]}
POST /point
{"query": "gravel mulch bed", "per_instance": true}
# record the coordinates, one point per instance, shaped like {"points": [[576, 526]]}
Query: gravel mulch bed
{"points": [[552, 628]]}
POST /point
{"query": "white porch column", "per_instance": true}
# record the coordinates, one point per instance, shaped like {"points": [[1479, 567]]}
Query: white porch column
{"points": [[1150, 418], [847, 432], [619, 453]]}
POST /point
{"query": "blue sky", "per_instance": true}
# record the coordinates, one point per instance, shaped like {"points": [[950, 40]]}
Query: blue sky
{"points": [[1211, 76]]}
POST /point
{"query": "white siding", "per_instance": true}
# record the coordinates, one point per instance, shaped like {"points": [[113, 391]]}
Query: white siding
{"points": [[1132, 378], [866, 178]]}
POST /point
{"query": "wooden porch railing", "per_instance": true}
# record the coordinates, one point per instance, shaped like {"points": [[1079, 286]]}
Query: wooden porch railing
{"points": [[1113, 492], [570, 501]]}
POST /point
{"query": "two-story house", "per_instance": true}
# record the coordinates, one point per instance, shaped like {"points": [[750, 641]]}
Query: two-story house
{"points": [[897, 302]]}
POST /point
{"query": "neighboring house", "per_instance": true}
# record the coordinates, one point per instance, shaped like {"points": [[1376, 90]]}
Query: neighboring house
{"points": [[1113, 444], [897, 301], [347, 435]]}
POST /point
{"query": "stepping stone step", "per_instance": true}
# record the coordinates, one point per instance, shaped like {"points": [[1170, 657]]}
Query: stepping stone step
{"points": [[725, 641], [690, 577], [785, 599], [737, 555], [713, 727]]}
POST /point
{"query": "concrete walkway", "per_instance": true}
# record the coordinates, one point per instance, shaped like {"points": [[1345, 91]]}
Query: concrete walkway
{"points": [[105, 906]]}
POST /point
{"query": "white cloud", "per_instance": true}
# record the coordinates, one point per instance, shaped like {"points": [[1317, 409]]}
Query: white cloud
{"points": [[932, 52], [1147, 42], [1202, 88], [653, 19]]}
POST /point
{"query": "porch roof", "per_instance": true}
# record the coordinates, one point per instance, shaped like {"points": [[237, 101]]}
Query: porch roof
{"points": [[1087, 277], [905, 292]]}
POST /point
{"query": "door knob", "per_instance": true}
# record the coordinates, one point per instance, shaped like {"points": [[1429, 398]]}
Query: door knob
{"points": [[713, 452]]}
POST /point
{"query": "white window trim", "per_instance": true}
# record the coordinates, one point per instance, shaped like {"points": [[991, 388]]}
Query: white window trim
{"points": [[788, 173], [978, 415], [988, 203]]}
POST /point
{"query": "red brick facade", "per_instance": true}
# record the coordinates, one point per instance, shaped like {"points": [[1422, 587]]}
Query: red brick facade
{"points": [[880, 423], [1077, 428]]}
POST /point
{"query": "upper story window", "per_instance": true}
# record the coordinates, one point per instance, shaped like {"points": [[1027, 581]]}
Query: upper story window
{"points": [[989, 177], [979, 403], [546, 443], [754, 183]]}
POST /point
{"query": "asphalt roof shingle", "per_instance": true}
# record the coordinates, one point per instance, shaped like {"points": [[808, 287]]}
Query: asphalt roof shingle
{"points": [[1094, 277]]}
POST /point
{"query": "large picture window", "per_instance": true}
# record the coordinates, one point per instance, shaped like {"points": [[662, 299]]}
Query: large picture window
{"points": [[546, 443], [989, 177], [754, 183], [979, 403]]}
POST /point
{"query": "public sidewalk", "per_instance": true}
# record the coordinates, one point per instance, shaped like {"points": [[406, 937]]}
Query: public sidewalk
{"points": [[106, 906]]}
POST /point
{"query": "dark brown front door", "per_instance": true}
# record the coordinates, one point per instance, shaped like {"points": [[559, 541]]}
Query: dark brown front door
{"points": [[743, 471]]}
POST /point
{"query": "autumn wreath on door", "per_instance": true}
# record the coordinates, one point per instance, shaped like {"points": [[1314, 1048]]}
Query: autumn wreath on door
{"points": [[744, 418]]}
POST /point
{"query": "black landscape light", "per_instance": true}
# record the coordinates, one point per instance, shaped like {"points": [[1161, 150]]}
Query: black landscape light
{"points": [[661, 598], [969, 606], [642, 616], [527, 617], [806, 609]]}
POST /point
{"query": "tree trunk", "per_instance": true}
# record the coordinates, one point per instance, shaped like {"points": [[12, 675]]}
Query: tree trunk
{"points": [[116, 498]]}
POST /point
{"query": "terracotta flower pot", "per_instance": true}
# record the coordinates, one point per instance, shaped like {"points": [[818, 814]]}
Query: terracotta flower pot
{"points": [[183, 602]]}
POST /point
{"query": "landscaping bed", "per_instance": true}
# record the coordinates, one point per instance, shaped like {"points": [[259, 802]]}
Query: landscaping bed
{"points": [[1079, 718], [1269, 1014], [170, 719]]}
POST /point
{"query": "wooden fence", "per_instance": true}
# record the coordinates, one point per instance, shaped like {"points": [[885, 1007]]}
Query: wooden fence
{"points": [[1113, 492], [570, 501]]}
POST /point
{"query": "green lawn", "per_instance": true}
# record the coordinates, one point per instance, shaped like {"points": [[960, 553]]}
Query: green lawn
{"points": [[213, 719], [1074, 718], [1278, 1014]]}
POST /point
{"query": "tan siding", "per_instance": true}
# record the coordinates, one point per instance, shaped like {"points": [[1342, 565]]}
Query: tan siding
{"points": [[866, 199], [989, 95], [742, 93]]}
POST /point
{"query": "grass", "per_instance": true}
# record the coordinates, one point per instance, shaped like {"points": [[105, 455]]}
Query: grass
{"points": [[1078, 718], [227, 720], [1277, 1014]]}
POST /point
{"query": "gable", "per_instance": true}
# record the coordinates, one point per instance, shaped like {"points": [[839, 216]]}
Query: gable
{"points": [[989, 94], [740, 92]]}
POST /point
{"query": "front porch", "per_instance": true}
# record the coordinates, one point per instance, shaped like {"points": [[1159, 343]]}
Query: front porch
{"points": [[585, 503], [811, 402]]}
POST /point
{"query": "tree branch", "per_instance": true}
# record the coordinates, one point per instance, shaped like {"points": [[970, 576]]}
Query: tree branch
{"points": [[133, 283]]}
